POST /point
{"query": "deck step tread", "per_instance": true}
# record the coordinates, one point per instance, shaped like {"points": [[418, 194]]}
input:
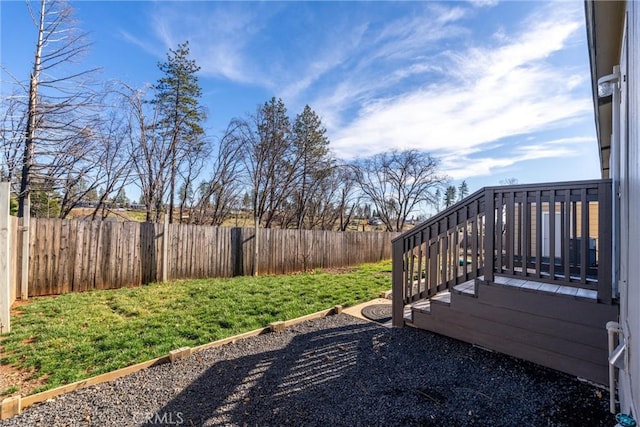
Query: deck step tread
{"points": [[442, 297], [467, 288], [549, 288], [424, 305]]}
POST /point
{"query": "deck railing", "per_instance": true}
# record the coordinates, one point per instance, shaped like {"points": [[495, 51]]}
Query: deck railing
{"points": [[558, 233]]}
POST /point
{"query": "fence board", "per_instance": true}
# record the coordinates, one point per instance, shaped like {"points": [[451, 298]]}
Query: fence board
{"points": [[14, 267], [78, 262]]}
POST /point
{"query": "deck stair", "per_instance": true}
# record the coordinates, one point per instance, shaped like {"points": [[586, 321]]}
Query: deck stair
{"points": [[522, 270], [444, 297]]}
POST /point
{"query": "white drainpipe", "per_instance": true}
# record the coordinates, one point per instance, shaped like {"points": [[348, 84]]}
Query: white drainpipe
{"points": [[616, 360]]}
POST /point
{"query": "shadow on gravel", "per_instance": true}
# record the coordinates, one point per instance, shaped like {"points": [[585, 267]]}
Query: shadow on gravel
{"points": [[362, 374]]}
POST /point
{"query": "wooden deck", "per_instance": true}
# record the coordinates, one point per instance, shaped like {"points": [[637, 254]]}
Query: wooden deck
{"points": [[523, 270], [547, 325]]}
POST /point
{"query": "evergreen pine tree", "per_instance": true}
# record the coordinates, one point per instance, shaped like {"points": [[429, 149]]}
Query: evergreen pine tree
{"points": [[449, 196], [177, 99], [463, 190]]}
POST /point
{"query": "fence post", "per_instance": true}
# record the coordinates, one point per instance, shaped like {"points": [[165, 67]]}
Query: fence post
{"points": [[5, 262], [256, 249], [26, 247], [237, 254], [165, 247]]}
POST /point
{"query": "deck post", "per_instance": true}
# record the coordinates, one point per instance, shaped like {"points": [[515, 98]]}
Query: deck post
{"points": [[397, 308], [605, 269], [489, 234]]}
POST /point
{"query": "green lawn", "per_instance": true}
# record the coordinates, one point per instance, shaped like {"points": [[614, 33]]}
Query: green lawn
{"points": [[75, 336]]}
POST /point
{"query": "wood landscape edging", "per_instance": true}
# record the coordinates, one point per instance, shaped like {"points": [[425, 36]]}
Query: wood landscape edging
{"points": [[14, 405]]}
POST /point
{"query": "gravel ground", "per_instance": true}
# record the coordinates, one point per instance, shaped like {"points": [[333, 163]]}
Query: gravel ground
{"points": [[332, 372]]}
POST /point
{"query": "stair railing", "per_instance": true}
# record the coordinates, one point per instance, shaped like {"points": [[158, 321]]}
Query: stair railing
{"points": [[439, 253]]}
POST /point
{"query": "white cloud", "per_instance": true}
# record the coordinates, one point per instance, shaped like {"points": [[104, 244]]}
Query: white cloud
{"points": [[487, 93], [225, 40], [484, 3], [445, 15], [404, 48], [337, 48], [218, 34], [130, 38], [465, 166]]}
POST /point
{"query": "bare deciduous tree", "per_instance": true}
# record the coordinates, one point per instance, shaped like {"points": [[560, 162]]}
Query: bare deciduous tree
{"points": [[192, 164], [148, 152], [397, 183], [60, 101], [114, 167], [349, 198], [509, 181], [221, 193], [12, 130]]}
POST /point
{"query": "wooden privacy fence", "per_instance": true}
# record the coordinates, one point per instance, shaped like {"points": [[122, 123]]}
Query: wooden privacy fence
{"points": [[79, 255]]}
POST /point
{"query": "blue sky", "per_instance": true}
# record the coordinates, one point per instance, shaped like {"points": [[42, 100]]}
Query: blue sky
{"points": [[495, 90]]}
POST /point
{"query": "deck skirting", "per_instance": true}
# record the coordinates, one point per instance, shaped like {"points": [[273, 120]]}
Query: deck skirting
{"points": [[559, 331]]}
